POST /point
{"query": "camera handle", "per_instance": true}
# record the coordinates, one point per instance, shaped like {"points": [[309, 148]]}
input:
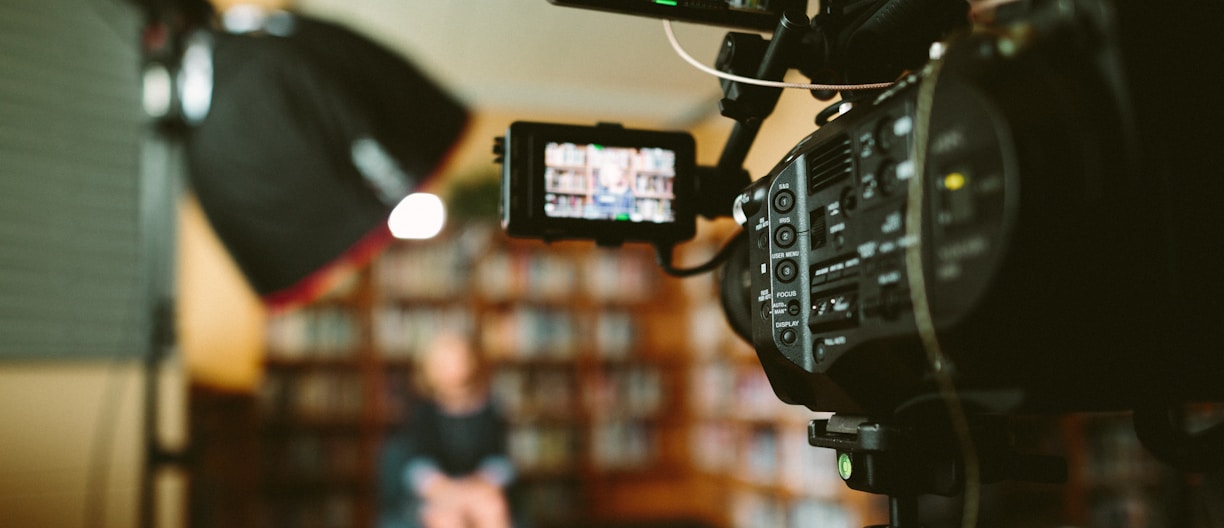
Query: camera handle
{"points": [[905, 460], [747, 54]]}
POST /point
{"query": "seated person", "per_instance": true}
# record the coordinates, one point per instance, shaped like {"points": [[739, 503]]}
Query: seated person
{"points": [[613, 196], [451, 460]]}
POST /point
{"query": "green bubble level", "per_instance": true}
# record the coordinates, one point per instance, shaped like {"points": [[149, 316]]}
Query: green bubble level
{"points": [[845, 467]]}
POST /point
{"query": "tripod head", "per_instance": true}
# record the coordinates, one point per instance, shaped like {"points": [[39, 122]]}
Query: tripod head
{"points": [[905, 459]]}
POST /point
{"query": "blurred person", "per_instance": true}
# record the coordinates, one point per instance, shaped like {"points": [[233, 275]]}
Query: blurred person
{"points": [[449, 467], [613, 192]]}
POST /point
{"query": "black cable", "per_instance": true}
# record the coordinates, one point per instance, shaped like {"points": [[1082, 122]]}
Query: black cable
{"points": [[663, 255]]}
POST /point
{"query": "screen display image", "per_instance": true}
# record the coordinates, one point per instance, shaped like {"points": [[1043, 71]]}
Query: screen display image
{"points": [[600, 182]]}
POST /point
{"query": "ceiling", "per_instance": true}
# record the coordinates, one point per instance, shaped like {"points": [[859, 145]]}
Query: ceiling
{"points": [[534, 59]]}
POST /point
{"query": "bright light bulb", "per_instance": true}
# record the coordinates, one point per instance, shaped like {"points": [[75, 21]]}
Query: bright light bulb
{"points": [[418, 216]]}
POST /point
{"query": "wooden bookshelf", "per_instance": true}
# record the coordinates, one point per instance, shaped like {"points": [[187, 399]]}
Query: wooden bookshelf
{"points": [[586, 367], [316, 436]]}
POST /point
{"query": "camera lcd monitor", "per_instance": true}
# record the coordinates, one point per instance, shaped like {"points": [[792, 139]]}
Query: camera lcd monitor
{"points": [[597, 182]]}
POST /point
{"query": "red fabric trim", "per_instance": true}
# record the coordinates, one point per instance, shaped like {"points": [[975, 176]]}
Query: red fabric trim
{"points": [[435, 175], [359, 254], [323, 279]]}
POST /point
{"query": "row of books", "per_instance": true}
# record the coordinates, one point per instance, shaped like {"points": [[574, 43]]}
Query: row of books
{"points": [[1133, 509], [400, 331], [531, 332], [544, 448], [565, 154], [738, 390], [654, 185], [567, 180], [710, 335], [526, 394], [526, 275], [766, 455], [620, 275], [711, 445], [623, 445], [653, 207], [591, 155], [580, 181], [1115, 457], [305, 455], [630, 391], [557, 502], [317, 332], [750, 509], [539, 392], [601, 277], [333, 510], [450, 272], [423, 271], [315, 395], [754, 396], [615, 334], [610, 446], [526, 332], [1126, 486]]}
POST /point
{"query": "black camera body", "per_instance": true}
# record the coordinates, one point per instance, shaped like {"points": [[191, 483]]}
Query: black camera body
{"points": [[1023, 193], [604, 183], [1046, 261], [1026, 223]]}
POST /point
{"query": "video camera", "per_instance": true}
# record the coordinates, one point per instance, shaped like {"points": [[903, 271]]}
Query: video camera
{"points": [[1015, 222]]}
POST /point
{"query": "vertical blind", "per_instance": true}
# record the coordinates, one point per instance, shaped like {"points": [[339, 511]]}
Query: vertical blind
{"points": [[73, 266]]}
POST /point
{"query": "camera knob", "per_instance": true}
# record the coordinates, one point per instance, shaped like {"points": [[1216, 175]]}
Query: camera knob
{"points": [[499, 150], [749, 203]]}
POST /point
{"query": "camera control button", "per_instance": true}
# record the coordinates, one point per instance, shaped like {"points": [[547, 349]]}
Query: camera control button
{"points": [[785, 235], [888, 178], [784, 201], [786, 270], [848, 200], [789, 336]]}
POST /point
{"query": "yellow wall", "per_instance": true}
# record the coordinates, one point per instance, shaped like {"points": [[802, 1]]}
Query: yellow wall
{"points": [[221, 320], [790, 122], [222, 5]]}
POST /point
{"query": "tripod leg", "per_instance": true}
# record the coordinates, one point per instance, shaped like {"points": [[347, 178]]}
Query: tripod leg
{"points": [[903, 511]]}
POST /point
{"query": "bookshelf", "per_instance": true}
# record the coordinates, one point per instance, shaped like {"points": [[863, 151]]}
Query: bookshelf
{"points": [[315, 432], [584, 367]]}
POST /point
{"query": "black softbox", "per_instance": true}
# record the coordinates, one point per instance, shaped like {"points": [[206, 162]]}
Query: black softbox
{"points": [[312, 136]]}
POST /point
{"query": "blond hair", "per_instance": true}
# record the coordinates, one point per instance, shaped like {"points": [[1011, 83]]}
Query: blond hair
{"points": [[448, 341]]}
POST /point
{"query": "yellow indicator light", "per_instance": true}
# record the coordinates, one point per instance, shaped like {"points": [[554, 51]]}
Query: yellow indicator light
{"points": [[954, 181]]}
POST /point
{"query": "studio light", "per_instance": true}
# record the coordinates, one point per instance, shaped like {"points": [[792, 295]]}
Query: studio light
{"points": [[418, 216]]}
